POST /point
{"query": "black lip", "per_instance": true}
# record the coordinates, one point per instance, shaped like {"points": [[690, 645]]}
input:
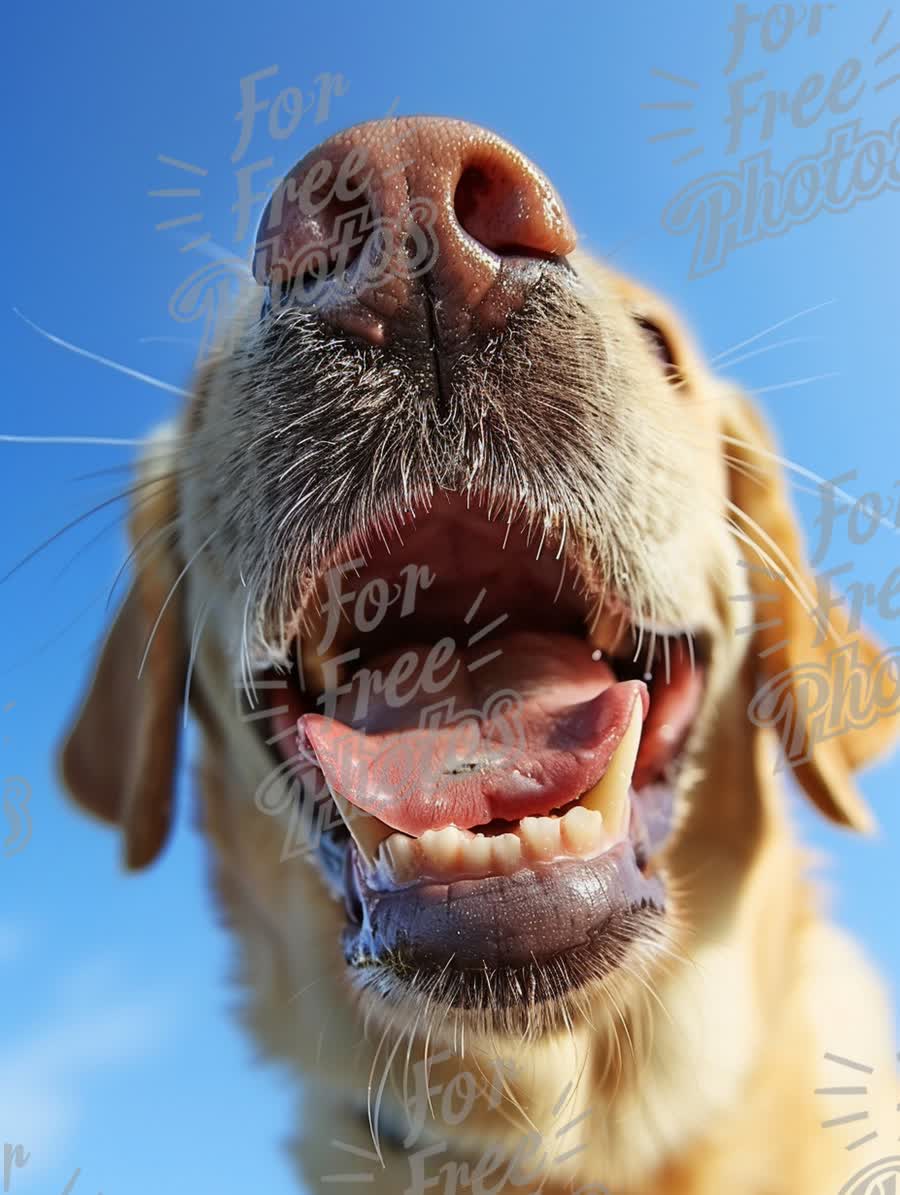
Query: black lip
{"points": [[578, 915], [505, 942]]}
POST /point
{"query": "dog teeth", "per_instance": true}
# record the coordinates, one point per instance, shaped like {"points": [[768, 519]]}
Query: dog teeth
{"points": [[477, 854], [598, 822], [611, 633], [506, 853], [582, 830], [366, 831], [441, 848], [398, 855], [540, 836], [609, 795], [454, 854]]}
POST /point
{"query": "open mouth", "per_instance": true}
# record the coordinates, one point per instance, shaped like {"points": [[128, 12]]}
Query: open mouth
{"points": [[501, 741]]}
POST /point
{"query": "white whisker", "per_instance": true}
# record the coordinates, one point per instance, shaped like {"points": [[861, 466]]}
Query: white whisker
{"points": [[169, 597], [819, 377], [809, 474], [774, 328], [770, 348], [102, 440], [127, 370], [195, 643]]}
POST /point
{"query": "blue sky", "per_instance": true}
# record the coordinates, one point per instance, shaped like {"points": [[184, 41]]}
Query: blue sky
{"points": [[117, 1053]]}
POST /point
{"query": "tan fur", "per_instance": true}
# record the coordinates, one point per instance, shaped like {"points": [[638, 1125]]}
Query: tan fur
{"points": [[697, 1068]]}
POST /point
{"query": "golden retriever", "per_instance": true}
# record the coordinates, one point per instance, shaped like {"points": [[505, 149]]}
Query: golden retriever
{"points": [[452, 553]]}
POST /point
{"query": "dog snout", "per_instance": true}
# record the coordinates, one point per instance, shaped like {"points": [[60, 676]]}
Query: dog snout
{"points": [[398, 225]]}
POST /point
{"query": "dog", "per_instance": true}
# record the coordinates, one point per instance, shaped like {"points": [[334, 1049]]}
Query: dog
{"points": [[452, 554]]}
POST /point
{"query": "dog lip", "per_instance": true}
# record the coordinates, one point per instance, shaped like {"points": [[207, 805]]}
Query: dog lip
{"points": [[513, 922]]}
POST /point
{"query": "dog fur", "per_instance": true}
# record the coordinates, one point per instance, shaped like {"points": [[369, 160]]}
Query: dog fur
{"points": [[695, 1067]]}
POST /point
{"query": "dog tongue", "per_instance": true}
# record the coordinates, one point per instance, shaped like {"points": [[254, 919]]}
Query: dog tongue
{"points": [[506, 729]]}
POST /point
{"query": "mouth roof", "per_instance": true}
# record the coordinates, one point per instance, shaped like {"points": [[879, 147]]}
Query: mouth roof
{"points": [[470, 714]]}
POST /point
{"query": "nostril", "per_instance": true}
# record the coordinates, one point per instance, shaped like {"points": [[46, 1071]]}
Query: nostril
{"points": [[337, 234], [348, 233], [492, 206]]}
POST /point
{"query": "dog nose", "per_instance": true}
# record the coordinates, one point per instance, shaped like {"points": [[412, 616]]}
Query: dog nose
{"points": [[403, 225]]}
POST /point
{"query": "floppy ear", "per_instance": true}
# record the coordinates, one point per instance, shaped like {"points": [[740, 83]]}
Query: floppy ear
{"points": [[803, 654], [118, 760]]}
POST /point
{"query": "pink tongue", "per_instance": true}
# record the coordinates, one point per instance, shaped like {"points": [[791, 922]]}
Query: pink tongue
{"points": [[507, 729]]}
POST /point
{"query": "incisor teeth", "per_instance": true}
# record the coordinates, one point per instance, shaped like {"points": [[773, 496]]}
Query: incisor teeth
{"points": [[541, 836], [477, 854], [441, 848], [506, 852], [609, 795], [451, 853], [598, 822]]}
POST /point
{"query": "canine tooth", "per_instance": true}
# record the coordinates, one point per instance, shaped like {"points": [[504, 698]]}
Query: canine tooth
{"points": [[366, 831], [609, 795], [612, 632], [582, 830], [506, 852], [398, 854], [314, 661], [319, 642], [540, 836]]}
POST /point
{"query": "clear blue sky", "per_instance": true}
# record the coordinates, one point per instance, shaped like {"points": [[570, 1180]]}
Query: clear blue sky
{"points": [[117, 1054]]}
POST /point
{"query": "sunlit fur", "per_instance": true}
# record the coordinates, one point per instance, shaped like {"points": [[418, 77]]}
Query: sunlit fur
{"points": [[693, 1062]]}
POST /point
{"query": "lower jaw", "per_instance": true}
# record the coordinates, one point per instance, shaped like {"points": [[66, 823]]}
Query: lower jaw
{"points": [[503, 942]]}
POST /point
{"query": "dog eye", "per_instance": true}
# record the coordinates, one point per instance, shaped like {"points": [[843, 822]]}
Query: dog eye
{"points": [[660, 344]]}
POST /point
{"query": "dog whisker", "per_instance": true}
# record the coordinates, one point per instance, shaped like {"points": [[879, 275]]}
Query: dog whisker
{"points": [[796, 383], [720, 357], [98, 441], [152, 538], [59, 636], [809, 474], [771, 348], [129, 492], [168, 599], [196, 633], [146, 378]]}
